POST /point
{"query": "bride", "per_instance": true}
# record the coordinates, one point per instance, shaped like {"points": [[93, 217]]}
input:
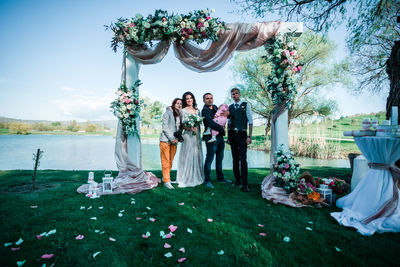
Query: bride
{"points": [[190, 165]]}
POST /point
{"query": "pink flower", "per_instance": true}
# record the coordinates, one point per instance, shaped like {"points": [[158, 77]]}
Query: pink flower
{"points": [[286, 61], [200, 24], [189, 31], [295, 69], [285, 52], [136, 102], [204, 34], [132, 24], [164, 19], [127, 101], [292, 53], [287, 166], [283, 172], [299, 67], [208, 18]]}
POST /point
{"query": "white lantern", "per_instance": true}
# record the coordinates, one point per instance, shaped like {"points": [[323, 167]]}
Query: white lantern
{"points": [[107, 182], [325, 193]]}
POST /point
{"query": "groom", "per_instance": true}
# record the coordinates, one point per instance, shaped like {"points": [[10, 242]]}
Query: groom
{"points": [[213, 148]]}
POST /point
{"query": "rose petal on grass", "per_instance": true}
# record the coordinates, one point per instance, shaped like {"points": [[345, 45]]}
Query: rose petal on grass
{"points": [[181, 259], [97, 231], [122, 211], [168, 236], [260, 225], [263, 234], [221, 252], [34, 207], [152, 219], [112, 239], [189, 230], [166, 245], [133, 202], [39, 236], [51, 232], [286, 239], [308, 228], [210, 220], [95, 254], [138, 218], [89, 208], [145, 236], [168, 255], [15, 249], [148, 234], [181, 204], [100, 208], [182, 250], [102, 232], [7, 244], [80, 237], [162, 233], [47, 256], [120, 214], [193, 207], [20, 263], [19, 242], [172, 228], [93, 218], [82, 207], [148, 208], [310, 222], [338, 249]]}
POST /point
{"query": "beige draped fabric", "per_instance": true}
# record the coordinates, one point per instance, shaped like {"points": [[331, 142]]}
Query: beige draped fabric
{"points": [[238, 37]]}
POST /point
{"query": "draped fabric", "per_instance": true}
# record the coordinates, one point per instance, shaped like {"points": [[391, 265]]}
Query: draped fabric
{"points": [[373, 205], [238, 37]]}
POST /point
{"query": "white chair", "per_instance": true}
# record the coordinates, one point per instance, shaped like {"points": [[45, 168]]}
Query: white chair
{"points": [[360, 169]]}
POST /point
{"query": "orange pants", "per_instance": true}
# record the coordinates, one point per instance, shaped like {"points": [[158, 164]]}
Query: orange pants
{"points": [[167, 153]]}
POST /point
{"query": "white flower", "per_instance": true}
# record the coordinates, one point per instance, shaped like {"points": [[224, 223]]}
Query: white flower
{"points": [[126, 115], [129, 106], [187, 25], [212, 10], [206, 24], [183, 24]]}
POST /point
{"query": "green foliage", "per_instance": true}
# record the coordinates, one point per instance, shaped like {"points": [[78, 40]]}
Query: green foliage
{"points": [[73, 126], [19, 127], [234, 229], [152, 111]]}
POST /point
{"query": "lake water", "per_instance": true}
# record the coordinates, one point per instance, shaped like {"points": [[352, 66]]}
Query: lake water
{"points": [[97, 153]]}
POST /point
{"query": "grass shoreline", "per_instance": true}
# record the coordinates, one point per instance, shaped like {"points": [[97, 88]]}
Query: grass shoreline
{"points": [[234, 229]]}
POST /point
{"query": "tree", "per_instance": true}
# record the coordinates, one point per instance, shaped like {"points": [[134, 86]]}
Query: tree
{"points": [[73, 127], [151, 111], [317, 74], [371, 34], [19, 127]]}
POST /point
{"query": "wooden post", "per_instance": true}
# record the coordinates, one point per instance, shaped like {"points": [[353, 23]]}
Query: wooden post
{"points": [[36, 158]]}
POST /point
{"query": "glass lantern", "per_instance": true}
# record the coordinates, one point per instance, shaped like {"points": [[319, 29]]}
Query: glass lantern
{"points": [[326, 193], [107, 182]]}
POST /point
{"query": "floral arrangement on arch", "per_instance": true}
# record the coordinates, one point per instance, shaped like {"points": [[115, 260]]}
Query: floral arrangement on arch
{"points": [[192, 120], [283, 58], [197, 26], [286, 170], [126, 107]]}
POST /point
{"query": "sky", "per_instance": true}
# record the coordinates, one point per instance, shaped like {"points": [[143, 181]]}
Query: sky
{"points": [[56, 62]]}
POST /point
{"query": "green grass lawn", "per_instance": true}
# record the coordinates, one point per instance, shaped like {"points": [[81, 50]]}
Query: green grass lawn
{"points": [[234, 229]]}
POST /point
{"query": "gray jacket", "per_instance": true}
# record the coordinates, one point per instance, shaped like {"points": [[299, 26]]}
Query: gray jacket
{"points": [[169, 126]]}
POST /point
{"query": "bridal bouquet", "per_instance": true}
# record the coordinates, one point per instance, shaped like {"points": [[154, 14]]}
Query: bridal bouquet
{"points": [[286, 170], [126, 107], [192, 121]]}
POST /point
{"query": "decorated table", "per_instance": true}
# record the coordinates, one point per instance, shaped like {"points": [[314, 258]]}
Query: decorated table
{"points": [[373, 206]]}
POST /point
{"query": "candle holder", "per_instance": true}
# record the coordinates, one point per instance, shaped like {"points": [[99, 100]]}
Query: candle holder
{"points": [[107, 182]]}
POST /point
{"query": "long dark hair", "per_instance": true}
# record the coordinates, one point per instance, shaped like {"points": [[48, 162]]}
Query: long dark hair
{"points": [[174, 110], [184, 100]]}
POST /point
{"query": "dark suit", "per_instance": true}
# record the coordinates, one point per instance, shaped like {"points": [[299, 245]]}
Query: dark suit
{"points": [[214, 148]]}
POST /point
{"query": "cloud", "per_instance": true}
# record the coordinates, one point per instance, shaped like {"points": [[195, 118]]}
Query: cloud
{"points": [[86, 106]]}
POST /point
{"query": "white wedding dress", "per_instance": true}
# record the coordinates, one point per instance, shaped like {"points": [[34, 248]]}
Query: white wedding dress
{"points": [[190, 164]]}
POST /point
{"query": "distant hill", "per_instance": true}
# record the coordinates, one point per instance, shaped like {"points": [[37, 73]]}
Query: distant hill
{"points": [[112, 124]]}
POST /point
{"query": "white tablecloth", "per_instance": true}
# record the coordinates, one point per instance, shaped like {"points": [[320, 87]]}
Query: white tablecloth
{"points": [[373, 191]]}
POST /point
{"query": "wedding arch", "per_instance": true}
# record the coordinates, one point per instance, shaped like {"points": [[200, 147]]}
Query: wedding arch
{"points": [[146, 40]]}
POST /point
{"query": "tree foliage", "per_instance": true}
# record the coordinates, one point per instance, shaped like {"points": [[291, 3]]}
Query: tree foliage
{"points": [[371, 26], [151, 111], [318, 73], [19, 127]]}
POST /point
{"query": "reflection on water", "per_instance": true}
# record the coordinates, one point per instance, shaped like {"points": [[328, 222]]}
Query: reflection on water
{"points": [[97, 153]]}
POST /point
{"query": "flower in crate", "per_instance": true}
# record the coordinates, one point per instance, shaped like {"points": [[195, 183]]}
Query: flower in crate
{"points": [[338, 186], [305, 187]]}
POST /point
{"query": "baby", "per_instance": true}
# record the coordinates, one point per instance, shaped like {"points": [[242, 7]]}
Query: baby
{"points": [[220, 119]]}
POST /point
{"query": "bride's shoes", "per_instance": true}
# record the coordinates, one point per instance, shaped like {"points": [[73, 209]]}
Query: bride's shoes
{"points": [[169, 185]]}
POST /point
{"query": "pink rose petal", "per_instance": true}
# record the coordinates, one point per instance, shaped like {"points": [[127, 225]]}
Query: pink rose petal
{"points": [[33, 207], [80, 237], [15, 249], [145, 236], [166, 245], [182, 250], [181, 259], [138, 218], [210, 220], [112, 239], [168, 236], [152, 219], [260, 225], [39, 237], [172, 228], [263, 234], [47, 256], [181, 204], [194, 207]]}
